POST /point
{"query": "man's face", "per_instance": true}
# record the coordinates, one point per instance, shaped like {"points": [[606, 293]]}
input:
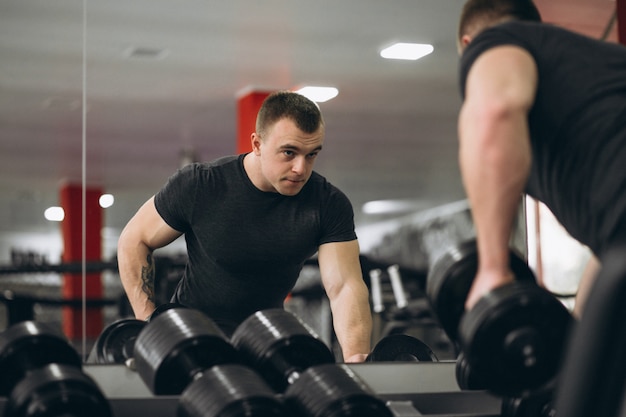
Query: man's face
{"points": [[287, 156]]}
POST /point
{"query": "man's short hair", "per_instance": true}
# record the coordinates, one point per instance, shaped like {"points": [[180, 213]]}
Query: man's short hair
{"points": [[482, 13], [287, 104]]}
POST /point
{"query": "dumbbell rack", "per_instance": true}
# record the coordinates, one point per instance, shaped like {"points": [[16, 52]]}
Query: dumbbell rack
{"points": [[411, 389]]}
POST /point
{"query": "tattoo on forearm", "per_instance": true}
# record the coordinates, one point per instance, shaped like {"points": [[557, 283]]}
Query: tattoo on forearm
{"points": [[147, 278]]}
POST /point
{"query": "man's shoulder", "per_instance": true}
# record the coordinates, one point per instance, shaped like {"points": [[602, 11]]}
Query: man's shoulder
{"points": [[224, 162], [322, 187]]}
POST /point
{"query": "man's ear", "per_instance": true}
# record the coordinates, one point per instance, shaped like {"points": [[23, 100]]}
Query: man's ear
{"points": [[255, 140], [465, 40]]}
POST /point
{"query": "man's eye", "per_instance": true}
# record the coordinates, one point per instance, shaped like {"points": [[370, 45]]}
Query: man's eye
{"points": [[288, 153]]}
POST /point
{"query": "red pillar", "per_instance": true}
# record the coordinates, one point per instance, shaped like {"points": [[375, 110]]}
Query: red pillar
{"points": [[248, 105], [621, 21], [72, 230]]}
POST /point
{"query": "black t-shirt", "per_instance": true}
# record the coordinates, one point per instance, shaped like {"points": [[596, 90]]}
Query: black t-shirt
{"points": [[577, 125], [246, 247]]}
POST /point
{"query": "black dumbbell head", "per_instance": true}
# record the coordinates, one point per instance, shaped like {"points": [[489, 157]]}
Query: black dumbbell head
{"points": [[401, 348], [30, 345], [176, 347], [514, 338], [163, 307], [230, 391], [539, 403], [279, 346], [116, 343], [450, 278], [465, 378], [333, 390], [57, 390]]}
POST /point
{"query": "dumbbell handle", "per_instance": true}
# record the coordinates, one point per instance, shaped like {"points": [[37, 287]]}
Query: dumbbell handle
{"points": [[396, 285], [377, 293]]}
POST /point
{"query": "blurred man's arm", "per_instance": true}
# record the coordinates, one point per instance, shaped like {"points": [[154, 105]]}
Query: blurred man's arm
{"points": [[495, 154]]}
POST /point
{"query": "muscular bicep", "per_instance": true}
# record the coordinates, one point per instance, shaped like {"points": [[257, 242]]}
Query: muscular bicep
{"points": [[500, 90], [149, 228], [339, 265], [502, 79]]}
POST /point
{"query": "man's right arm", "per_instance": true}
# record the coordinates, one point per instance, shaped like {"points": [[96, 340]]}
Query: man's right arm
{"points": [[495, 155], [144, 233]]}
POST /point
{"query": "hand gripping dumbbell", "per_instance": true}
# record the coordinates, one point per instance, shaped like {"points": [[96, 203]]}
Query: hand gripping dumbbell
{"points": [[512, 340], [298, 365], [183, 352], [41, 374]]}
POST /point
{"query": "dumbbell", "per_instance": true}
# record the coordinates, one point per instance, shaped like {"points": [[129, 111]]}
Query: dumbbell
{"points": [[42, 375], [401, 348], [183, 352], [513, 338], [539, 403], [298, 365], [116, 343], [162, 308]]}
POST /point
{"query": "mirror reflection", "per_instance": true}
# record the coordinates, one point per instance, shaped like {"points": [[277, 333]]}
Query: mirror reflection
{"points": [[112, 98]]}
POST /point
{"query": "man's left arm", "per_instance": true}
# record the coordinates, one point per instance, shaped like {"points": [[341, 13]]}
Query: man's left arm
{"points": [[342, 278]]}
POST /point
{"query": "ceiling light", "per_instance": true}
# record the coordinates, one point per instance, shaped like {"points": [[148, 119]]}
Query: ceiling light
{"points": [[410, 51], [54, 214], [146, 52], [106, 200], [318, 94]]}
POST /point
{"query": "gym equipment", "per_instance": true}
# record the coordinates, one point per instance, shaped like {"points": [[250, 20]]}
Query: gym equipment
{"points": [[513, 338], [333, 390], [428, 387], [57, 390], [450, 278], [535, 404], [466, 379], [401, 347], [116, 343], [42, 375], [279, 346], [178, 345], [182, 351], [592, 381], [161, 308], [230, 391], [294, 361]]}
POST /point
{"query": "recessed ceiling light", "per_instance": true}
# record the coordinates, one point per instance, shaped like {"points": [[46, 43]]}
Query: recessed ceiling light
{"points": [[318, 94], [145, 52], [54, 214], [410, 51], [106, 200]]}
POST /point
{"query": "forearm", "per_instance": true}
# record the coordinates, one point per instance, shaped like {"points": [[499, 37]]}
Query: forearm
{"points": [[495, 164], [495, 152], [352, 321], [144, 233], [136, 268]]}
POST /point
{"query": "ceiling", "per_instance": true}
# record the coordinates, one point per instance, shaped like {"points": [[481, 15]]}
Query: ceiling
{"points": [[391, 131]]}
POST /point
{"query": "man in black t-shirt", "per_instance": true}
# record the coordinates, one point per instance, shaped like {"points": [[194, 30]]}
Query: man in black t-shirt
{"points": [[250, 222], [544, 113]]}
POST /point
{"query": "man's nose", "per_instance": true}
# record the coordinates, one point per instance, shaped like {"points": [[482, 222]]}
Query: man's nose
{"points": [[299, 165]]}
